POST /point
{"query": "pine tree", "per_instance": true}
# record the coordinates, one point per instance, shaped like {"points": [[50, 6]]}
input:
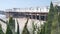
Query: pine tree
{"points": [[1, 32], [25, 30], [49, 19], [12, 24], [34, 27], [55, 22], [43, 27], [59, 23], [39, 30], [18, 28], [8, 31]]}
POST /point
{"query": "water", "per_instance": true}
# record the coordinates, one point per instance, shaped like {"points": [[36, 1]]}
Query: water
{"points": [[21, 22], [3, 17]]}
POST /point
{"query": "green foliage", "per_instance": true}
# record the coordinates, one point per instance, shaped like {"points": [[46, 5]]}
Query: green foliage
{"points": [[18, 28], [49, 19], [59, 19], [25, 30], [39, 30], [12, 24], [8, 31], [55, 22], [1, 32], [51, 12], [52, 26], [34, 27], [43, 28], [59, 23]]}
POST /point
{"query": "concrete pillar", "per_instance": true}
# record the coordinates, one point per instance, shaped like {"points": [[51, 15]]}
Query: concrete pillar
{"points": [[25, 16], [44, 17], [31, 17], [35, 16], [40, 17]]}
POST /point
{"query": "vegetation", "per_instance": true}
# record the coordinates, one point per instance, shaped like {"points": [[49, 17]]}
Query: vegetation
{"points": [[34, 26], [50, 19], [52, 25], [8, 31], [1, 32], [43, 29], [55, 22], [18, 32], [12, 24], [59, 23], [25, 30]]}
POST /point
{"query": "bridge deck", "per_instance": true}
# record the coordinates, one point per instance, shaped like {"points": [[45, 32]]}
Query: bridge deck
{"points": [[31, 15]]}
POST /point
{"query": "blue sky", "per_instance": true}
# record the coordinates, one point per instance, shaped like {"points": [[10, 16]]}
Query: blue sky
{"points": [[6, 4]]}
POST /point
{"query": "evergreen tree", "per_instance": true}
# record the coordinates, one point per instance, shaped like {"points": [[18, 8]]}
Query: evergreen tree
{"points": [[34, 27], [43, 28], [8, 31], [49, 19], [25, 30], [39, 30], [18, 28], [55, 22], [59, 23], [12, 24], [1, 32]]}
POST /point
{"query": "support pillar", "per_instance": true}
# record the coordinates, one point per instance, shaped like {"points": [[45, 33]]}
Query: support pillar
{"points": [[40, 17], [35, 16], [31, 17], [44, 17]]}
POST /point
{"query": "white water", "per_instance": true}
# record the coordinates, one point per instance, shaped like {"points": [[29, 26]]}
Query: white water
{"points": [[21, 22]]}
